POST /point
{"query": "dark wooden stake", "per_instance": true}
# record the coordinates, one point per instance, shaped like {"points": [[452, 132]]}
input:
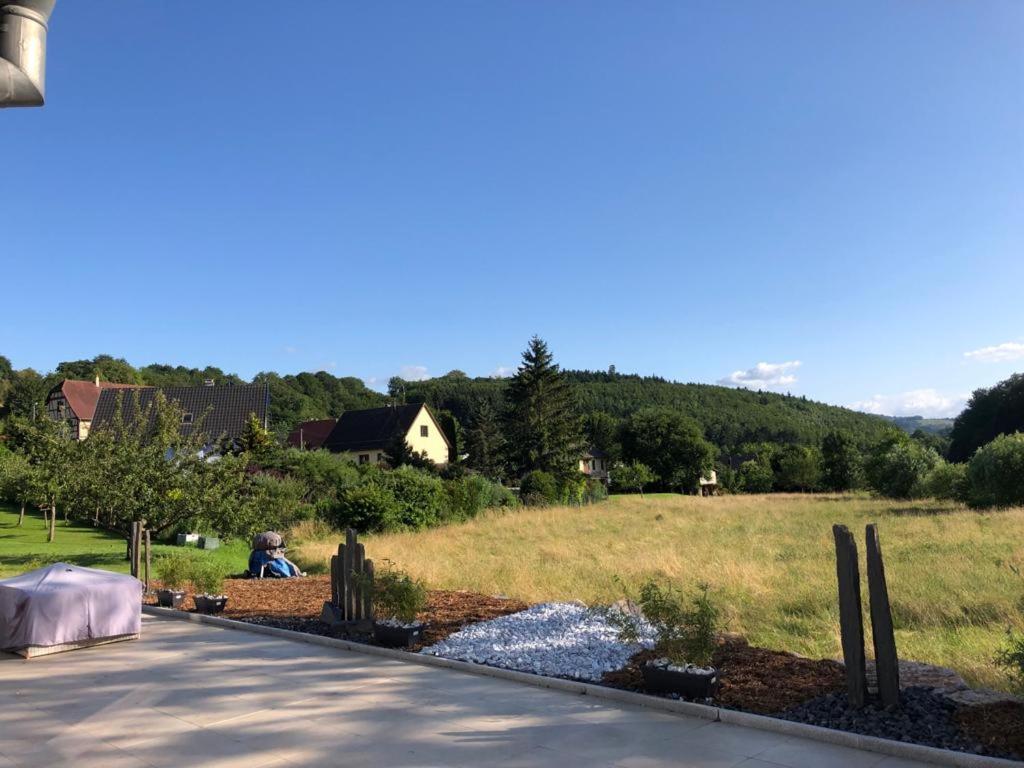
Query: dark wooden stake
{"points": [[851, 622], [148, 562], [886, 662]]}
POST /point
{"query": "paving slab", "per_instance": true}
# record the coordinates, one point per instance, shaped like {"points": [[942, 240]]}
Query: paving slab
{"points": [[193, 694]]}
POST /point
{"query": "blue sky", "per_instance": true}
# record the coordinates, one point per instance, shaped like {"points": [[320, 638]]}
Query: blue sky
{"points": [[687, 189]]}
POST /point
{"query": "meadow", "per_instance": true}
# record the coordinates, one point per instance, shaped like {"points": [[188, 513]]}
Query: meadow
{"points": [[769, 560]]}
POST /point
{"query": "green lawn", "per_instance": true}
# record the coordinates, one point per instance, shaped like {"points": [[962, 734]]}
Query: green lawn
{"points": [[25, 548]]}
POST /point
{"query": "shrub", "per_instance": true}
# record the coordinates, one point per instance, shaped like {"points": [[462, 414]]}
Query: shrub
{"points": [[419, 496], [174, 570], [538, 488], [754, 477], [366, 508], [945, 481], [1011, 658], [996, 473], [396, 595], [685, 629], [206, 577], [595, 492], [897, 468]]}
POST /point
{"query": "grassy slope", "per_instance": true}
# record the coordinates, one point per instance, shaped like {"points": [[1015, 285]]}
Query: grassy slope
{"points": [[769, 558], [25, 548]]}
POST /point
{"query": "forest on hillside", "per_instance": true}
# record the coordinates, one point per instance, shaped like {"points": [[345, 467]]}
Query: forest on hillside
{"points": [[728, 417]]}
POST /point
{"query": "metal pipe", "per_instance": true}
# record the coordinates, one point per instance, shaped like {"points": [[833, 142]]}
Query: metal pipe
{"points": [[23, 51]]}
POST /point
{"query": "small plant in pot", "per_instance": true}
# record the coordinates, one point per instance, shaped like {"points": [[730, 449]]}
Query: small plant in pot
{"points": [[685, 630], [397, 599], [208, 582], [172, 570]]}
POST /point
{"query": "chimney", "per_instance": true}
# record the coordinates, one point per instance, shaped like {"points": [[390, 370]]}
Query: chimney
{"points": [[97, 380], [207, 382]]}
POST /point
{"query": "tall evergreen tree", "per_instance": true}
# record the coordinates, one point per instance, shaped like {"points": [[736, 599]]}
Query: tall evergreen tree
{"points": [[485, 442], [544, 428]]}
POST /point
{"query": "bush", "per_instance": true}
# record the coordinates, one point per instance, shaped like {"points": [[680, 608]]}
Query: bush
{"points": [[595, 492], [538, 488], [897, 468], [995, 474], [754, 477], [946, 481], [174, 570], [206, 577], [419, 496], [396, 595], [1011, 658], [632, 477], [685, 630], [366, 508]]}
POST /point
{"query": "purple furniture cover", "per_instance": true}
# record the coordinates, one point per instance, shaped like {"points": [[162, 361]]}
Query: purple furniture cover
{"points": [[64, 603]]}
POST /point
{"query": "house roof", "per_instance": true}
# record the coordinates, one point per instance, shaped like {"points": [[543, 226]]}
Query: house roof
{"points": [[220, 412], [595, 453], [82, 396], [373, 428], [311, 434]]}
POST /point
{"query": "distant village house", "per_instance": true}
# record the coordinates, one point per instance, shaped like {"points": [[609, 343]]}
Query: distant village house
{"points": [[594, 464], [75, 402], [364, 436]]}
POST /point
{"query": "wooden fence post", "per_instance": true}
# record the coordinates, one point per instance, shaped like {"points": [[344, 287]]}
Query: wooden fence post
{"points": [[887, 665], [851, 622], [147, 559]]}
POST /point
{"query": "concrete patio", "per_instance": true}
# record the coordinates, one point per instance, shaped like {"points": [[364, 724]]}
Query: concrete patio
{"points": [[189, 694]]}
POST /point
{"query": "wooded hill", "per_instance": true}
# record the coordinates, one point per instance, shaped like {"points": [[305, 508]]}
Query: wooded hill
{"points": [[729, 417]]}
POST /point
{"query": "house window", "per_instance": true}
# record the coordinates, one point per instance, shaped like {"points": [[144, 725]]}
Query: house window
{"points": [[423, 430], [364, 458], [187, 418]]}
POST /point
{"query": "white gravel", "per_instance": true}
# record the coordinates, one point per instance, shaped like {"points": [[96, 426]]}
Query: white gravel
{"points": [[553, 639]]}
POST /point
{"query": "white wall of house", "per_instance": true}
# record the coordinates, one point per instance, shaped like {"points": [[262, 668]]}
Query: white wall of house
{"points": [[425, 437]]}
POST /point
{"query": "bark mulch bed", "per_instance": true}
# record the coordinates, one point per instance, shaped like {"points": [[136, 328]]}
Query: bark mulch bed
{"points": [[296, 604], [998, 726], [753, 679]]}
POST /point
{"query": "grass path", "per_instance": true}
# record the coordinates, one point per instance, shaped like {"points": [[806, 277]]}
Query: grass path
{"points": [[769, 559], [25, 548]]}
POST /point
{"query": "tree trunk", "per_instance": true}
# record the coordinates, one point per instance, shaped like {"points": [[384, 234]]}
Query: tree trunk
{"points": [[21, 517], [53, 520]]}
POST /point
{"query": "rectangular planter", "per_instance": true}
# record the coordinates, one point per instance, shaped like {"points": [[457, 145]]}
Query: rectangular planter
{"points": [[205, 604], [397, 637], [170, 598], [690, 685]]}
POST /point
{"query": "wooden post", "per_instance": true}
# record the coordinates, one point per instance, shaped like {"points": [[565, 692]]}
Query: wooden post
{"points": [[335, 578], [887, 664], [851, 622], [147, 560], [368, 590], [350, 567]]}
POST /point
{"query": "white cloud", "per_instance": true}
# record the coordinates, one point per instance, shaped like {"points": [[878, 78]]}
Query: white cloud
{"points": [[1000, 353], [502, 372], [414, 372], [926, 402], [763, 376]]}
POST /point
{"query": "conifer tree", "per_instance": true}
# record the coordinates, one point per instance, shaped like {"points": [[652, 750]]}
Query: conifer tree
{"points": [[485, 442], [544, 429]]}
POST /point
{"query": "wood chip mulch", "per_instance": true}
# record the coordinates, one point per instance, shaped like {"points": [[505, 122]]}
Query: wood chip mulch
{"points": [[753, 679], [999, 725], [303, 599]]}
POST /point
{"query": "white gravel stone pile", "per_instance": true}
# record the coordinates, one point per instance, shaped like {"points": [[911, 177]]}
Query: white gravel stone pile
{"points": [[553, 639]]}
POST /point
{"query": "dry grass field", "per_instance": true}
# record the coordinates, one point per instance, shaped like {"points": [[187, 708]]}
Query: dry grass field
{"points": [[769, 560]]}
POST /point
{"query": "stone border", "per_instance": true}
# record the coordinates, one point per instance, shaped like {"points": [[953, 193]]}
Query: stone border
{"points": [[730, 716]]}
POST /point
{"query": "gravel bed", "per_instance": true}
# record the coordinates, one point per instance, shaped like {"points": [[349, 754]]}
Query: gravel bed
{"points": [[923, 717], [555, 639]]}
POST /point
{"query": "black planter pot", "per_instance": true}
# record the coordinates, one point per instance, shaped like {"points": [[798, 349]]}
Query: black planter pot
{"points": [[206, 604], [688, 684], [397, 637], [170, 598]]}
